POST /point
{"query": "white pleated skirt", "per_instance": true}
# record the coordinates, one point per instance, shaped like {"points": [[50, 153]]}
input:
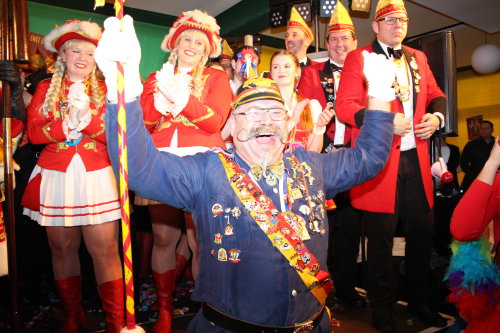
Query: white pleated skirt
{"points": [[76, 197]]}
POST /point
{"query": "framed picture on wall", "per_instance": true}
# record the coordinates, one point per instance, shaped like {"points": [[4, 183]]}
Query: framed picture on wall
{"points": [[473, 126]]}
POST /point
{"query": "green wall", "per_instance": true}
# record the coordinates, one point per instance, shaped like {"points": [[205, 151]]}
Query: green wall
{"points": [[43, 18]]}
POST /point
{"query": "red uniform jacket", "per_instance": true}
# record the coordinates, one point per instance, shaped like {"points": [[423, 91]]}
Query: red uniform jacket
{"points": [[200, 122], [313, 82], [56, 155], [379, 194]]}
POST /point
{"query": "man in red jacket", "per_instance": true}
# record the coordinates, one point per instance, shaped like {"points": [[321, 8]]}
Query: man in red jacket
{"points": [[320, 81], [403, 190]]}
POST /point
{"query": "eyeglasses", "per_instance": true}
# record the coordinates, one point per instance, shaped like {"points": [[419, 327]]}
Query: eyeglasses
{"points": [[392, 20], [257, 114]]}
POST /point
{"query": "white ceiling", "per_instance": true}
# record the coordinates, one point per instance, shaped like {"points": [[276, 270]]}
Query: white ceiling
{"points": [[482, 14], [175, 7], [474, 22]]}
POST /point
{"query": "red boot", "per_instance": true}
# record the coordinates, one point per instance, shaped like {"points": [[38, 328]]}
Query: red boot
{"points": [[112, 296], [70, 292], [180, 265], [165, 286]]}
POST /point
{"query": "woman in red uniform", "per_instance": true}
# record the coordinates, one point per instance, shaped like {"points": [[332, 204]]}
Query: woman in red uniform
{"points": [[480, 205], [306, 114], [72, 190], [185, 106]]}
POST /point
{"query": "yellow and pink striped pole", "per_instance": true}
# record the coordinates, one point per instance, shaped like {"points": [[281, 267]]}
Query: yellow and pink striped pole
{"points": [[124, 195]]}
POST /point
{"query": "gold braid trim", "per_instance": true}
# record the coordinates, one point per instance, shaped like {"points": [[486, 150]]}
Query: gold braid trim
{"points": [[46, 132], [97, 134], [209, 114]]}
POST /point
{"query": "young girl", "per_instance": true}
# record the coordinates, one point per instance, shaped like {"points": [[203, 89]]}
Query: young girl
{"points": [[308, 120]]}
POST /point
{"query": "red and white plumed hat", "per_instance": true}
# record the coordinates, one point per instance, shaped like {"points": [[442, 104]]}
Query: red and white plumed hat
{"points": [[72, 29], [198, 20]]}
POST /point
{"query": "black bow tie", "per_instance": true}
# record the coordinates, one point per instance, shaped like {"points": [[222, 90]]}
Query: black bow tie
{"points": [[335, 68], [397, 54]]}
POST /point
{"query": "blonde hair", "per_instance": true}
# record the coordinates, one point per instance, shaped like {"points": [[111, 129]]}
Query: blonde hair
{"points": [[198, 70], [52, 96]]}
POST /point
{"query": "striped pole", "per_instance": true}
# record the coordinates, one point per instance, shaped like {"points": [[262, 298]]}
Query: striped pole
{"points": [[124, 197]]}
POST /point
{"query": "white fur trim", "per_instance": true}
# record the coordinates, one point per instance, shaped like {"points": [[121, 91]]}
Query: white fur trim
{"points": [[86, 28], [200, 17]]}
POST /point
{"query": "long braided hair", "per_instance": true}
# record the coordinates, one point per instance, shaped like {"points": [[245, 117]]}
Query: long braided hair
{"points": [[52, 96]]}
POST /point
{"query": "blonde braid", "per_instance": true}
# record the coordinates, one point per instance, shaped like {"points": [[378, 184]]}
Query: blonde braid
{"points": [[97, 97], [52, 96], [198, 78], [172, 59]]}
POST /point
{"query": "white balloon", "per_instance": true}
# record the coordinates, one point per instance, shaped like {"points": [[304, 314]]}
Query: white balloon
{"points": [[486, 59]]}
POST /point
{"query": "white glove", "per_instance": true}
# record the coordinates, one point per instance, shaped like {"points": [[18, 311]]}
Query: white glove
{"points": [[80, 115], [70, 122], [84, 118], [162, 104], [166, 81], [380, 73], [183, 87], [175, 87], [120, 46]]}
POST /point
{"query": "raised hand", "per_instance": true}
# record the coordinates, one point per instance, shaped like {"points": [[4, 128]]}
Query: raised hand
{"points": [[325, 116], [119, 43], [380, 73], [297, 111]]}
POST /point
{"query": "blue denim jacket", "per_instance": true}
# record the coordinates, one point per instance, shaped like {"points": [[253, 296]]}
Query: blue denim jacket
{"points": [[259, 285]]}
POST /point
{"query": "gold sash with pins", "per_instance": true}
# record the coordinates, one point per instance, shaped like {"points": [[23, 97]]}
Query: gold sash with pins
{"points": [[281, 229]]}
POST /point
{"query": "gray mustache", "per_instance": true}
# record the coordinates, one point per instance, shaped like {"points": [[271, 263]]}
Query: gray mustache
{"points": [[257, 131]]}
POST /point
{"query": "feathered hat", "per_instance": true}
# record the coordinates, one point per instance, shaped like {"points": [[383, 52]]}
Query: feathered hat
{"points": [[296, 21], [386, 7], [194, 19], [72, 29], [340, 20]]}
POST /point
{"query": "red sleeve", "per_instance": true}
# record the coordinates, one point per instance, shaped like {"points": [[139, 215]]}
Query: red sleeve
{"points": [[475, 210], [351, 95], [43, 130], [151, 116], [211, 112]]}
